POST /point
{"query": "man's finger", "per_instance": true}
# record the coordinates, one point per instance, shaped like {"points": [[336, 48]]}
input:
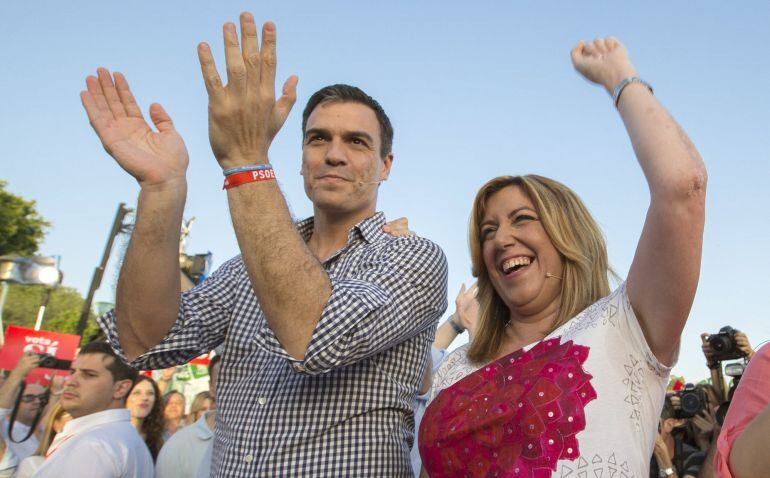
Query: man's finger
{"points": [[126, 97], [95, 89], [287, 99], [236, 70], [160, 118], [250, 44], [269, 61], [95, 116], [209, 70], [108, 88]]}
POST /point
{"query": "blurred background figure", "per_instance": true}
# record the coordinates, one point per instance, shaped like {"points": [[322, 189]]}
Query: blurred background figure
{"points": [[202, 402], [187, 454], [33, 398], [173, 413], [147, 414], [54, 424], [675, 454]]}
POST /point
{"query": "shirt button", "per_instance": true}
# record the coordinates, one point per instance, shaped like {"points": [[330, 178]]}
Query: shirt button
{"points": [[261, 401], [248, 458], [298, 367]]}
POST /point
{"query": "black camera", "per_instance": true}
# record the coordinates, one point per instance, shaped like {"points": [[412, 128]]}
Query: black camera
{"points": [[49, 361], [724, 345], [692, 401]]}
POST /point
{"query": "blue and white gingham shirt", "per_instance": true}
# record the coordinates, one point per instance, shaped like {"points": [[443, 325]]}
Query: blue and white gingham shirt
{"points": [[347, 408]]}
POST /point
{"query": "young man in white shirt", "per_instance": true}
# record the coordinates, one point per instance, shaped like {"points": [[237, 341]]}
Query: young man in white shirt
{"points": [[99, 441]]}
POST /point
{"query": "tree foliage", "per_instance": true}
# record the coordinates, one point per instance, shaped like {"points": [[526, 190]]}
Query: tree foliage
{"points": [[61, 314], [21, 227]]}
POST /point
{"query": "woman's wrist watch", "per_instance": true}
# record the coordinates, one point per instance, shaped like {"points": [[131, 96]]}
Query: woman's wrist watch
{"points": [[666, 472], [458, 330]]}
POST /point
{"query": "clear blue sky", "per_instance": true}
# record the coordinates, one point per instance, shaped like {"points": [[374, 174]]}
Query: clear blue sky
{"points": [[473, 92]]}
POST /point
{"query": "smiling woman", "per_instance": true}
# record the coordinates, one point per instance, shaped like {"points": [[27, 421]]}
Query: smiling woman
{"points": [[559, 243], [563, 375], [147, 413]]}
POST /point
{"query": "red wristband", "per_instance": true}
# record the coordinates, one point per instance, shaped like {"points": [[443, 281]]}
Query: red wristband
{"points": [[244, 177]]}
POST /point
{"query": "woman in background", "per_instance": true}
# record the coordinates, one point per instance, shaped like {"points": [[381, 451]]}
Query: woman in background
{"points": [[173, 412], [200, 405], [147, 413], [57, 418]]}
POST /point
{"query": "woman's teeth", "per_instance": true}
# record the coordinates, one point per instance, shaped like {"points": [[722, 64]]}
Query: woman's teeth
{"points": [[515, 264]]}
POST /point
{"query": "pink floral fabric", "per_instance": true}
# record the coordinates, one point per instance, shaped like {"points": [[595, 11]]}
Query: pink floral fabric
{"points": [[516, 417]]}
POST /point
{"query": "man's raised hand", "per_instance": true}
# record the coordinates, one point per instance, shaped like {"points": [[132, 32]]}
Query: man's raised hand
{"points": [[603, 61], [244, 115], [153, 158]]}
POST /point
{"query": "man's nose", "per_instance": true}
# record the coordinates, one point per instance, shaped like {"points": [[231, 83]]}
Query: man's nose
{"points": [[335, 152]]}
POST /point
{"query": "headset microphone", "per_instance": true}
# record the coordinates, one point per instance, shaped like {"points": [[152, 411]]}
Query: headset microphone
{"points": [[361, 183]]}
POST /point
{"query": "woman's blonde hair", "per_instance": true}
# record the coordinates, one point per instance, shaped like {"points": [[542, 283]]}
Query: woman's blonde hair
{"points": [[574, 234], [197, 407], [48, 432]]}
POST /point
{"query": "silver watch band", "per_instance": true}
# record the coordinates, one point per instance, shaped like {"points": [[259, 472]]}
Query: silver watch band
{"points": [[625, 82]]}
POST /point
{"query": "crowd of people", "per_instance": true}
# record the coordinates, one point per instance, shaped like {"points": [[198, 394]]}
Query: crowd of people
{"points": [[331, 361], [94, 418]]}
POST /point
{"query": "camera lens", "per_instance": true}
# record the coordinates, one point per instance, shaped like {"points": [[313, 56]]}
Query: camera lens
{"points": [[719, 343], [691, 404]]}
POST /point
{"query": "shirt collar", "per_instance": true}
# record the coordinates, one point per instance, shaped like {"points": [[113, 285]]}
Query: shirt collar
{"points": [[78, 425], [202, 428], [370, 228]]}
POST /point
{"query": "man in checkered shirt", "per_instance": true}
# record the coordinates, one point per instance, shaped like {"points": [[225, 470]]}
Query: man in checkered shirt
{"points": [[326, 325]]}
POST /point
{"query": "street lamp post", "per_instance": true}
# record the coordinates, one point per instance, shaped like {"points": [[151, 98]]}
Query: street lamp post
{"points": [[96, 280], [37, 270]]}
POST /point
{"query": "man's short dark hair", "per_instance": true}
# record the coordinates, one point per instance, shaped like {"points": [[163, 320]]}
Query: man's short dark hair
{"points": [[214, 362], [118, 369], [352, 94]]}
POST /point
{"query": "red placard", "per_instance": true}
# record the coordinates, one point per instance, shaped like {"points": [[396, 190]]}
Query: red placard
{"points": [[20, 339], [203, 359]]}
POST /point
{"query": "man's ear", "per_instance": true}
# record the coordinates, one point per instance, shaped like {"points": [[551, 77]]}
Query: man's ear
{"points": [[387, 164], [121, 388]]}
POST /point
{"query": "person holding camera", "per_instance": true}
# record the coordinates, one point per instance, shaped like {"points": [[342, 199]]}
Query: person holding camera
{"points": [[31, 403], [672, 456], [728, 344]]}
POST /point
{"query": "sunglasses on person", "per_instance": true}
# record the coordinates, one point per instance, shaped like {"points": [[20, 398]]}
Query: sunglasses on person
{"points": [[27, 398]]}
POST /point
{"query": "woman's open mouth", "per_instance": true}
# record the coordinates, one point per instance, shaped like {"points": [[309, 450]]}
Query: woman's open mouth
{"points": [[511, 266]]}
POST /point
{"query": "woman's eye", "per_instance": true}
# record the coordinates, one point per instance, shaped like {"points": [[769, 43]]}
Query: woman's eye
{"points": [[523, 218], [487, 233]]}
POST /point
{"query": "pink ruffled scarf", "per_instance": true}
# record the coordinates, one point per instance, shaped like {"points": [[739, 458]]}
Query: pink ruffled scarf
{"points": [[516, 417]]}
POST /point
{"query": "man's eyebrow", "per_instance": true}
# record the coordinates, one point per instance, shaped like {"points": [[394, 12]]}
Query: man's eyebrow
{"points": [[86, 370], [314, 131], [359, 134]]}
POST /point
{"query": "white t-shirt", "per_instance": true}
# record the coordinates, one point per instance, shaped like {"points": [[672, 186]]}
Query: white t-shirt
{"points": [[99, 445], [630, 384], [20, 450]]}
